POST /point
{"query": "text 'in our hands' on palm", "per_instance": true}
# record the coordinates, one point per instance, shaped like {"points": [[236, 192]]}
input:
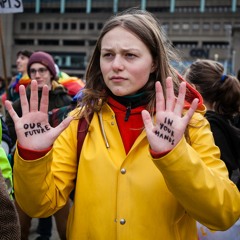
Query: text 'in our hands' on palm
{"points": [[165, 132]]}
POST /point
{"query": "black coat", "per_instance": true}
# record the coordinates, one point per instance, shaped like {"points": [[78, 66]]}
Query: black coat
{"points": [[227, 138]]}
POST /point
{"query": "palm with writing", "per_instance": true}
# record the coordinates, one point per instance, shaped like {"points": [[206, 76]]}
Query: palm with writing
{"points": [[170, 124], [33, 129]]}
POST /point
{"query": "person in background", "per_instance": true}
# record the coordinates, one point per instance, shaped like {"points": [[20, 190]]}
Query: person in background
{"points": [[9, 221], [2, 86], [221, 96], [71, 83], [236, 119], [6, 139], [148, 167], [5, 166], [41, 68], [21, 78]]}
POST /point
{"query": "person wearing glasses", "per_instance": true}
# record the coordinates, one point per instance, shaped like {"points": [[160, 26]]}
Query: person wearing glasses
{"points": [[41, 67]]}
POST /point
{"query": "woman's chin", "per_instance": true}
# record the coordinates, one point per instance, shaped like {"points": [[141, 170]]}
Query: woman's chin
{"points": [[118, 93]]}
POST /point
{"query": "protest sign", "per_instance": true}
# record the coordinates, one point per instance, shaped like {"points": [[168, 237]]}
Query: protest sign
{"points": [[7, 6], [11, 6]]}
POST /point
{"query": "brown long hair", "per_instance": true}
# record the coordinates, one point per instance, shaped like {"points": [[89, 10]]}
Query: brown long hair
{"points": [[221, 91], [147, 28]]}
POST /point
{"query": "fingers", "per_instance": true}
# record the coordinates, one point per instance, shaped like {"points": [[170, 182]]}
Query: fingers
{"points": [[34, 96], [64, 124], [160, 101], [23, 98], [44, 99], [173, 104], [11, 111], [170, 97], [181, 99], [147, 120], [191, 110]]}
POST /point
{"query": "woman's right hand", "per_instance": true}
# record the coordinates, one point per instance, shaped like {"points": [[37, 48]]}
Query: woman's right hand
{"points": [[33, 129]]}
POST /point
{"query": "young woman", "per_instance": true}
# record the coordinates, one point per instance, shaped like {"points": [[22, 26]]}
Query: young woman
{"points": [[148, 167], [221, 95]]}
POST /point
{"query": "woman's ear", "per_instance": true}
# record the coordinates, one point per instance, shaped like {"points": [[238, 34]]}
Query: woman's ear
{"points": [[153, 68]]}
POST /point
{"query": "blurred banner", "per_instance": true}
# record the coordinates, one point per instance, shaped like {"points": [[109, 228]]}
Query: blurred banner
{"points": [[11, 6]]}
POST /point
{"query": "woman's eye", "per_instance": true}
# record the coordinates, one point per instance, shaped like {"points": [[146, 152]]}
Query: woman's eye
{"points": [[107, 55], [130, 55]]}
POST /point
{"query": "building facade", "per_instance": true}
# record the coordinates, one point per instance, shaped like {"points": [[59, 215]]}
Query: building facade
{"points": [[68, 29]]}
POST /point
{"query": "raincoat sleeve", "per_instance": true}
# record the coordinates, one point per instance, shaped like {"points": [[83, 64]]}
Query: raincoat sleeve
{"points": [[47, 183], [199, 180]]}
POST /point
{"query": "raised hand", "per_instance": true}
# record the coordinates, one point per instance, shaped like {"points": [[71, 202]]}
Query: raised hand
{"points": [[166, 132], [33, 129]]}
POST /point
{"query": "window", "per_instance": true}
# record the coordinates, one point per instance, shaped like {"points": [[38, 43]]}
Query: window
{"points": [[185, 26], [91, 26], [56, 26], [64, 26], [82, 26], [176, 26], [48, 26], [99, 26], [73, 42], [73, 26], [51, 42], [31, 26], [92, 42], [195, 26], [39, 26], [70, 60], [216, 26], [23, 26], [206, 26], [24, 41]]}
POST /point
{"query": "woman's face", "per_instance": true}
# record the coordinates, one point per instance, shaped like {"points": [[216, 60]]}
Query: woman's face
{"points": [[41, 74], [125, 62]]}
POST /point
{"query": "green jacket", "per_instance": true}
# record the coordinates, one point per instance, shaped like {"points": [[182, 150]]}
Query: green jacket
{"points": [[5, 166]]}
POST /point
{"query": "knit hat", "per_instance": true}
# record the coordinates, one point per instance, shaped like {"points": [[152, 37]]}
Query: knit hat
{"points": [[44, 59]]}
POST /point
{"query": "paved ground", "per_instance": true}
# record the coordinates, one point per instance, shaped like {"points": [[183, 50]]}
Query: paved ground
{"points": [[33, 233]]}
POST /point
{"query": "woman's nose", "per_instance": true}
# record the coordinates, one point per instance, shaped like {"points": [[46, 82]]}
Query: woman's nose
{"points": [[117, 63]]}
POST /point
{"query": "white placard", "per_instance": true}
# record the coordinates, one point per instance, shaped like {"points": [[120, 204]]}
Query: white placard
{"points": [[11, 6]]}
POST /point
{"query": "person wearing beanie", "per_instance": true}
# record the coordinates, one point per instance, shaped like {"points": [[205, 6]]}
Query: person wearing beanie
{"points": [[41, 67], [44, 59]]}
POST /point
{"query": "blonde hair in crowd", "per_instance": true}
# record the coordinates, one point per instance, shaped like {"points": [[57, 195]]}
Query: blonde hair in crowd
{"points": [[147, 28]]}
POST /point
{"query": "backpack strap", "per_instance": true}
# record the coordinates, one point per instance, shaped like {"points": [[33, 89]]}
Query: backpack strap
{"points": [[81, 133]]}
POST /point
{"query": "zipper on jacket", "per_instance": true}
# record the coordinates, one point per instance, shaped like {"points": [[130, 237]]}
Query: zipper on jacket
{"points": [[128, 112]]}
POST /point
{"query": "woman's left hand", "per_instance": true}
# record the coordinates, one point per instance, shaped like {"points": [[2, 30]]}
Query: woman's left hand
{"points": [[170, 125]]}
